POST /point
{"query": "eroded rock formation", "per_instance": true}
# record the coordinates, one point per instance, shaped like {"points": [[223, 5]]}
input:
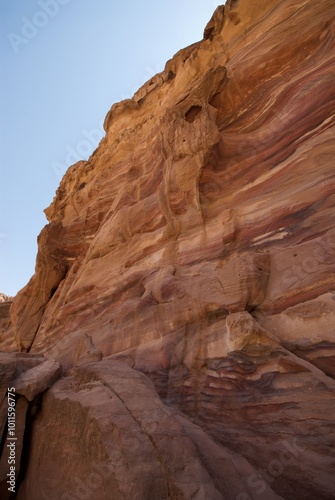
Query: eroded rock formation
{"points": [[24, 377], [186, 278]]}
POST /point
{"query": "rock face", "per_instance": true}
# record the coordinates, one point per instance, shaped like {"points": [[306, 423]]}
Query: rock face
{"points": [[136, 447], [24, 377], [186, 278], [37, 379]]}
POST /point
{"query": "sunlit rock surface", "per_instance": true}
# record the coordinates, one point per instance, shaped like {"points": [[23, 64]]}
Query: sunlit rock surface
{"points": [[194, 253]]}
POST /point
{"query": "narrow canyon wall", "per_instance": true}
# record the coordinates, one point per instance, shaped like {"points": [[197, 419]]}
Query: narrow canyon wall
{"points": [[193, 255]]}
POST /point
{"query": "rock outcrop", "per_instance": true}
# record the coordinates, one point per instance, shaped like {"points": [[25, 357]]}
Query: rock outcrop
{"points": [[135, 446], [24, 377], [186, 278]]}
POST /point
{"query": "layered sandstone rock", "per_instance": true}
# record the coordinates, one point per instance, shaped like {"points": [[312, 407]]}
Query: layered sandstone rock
{"points": [[135, 446], [24, 377], [197, 246]]}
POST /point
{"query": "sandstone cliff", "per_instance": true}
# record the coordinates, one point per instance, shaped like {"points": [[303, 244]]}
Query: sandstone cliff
{"points": [[186, 278]]}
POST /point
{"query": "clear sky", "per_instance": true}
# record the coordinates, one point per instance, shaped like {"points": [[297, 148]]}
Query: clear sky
{"points": [[63, 64]]}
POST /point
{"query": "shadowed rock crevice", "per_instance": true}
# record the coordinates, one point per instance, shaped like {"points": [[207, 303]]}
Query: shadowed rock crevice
{"points": [[192, 113]]}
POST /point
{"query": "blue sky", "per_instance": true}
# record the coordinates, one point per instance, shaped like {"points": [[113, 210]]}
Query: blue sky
{"points": [[63, 64]]}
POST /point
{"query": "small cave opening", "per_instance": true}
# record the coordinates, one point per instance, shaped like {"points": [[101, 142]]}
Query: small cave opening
{"points": [[192, 113], [171, 76]]}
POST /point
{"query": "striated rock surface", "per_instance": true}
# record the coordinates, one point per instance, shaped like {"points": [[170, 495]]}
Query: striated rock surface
{"points": [[135, 446], [186, 278], [23, 378], [38, 379]]}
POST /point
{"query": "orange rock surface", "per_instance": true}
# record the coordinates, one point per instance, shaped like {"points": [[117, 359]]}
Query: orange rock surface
{"points": [[196, 248]]}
